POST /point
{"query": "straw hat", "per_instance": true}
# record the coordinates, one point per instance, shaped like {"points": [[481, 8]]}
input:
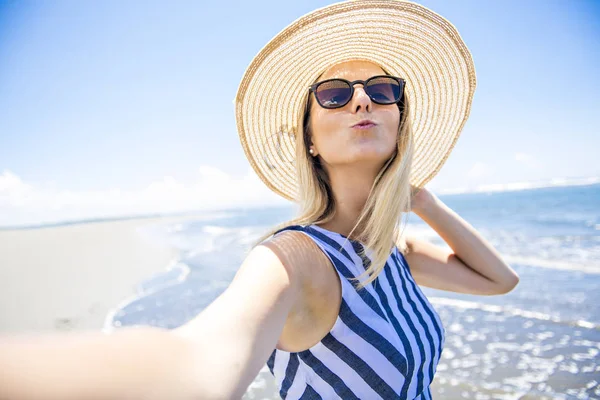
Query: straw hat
{"points": [[404, 38]]}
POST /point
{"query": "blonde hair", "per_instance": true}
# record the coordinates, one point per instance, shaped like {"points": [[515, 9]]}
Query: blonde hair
{"points": [[388, 200]]}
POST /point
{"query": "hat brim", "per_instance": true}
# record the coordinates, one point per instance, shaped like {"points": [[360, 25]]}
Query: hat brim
{"points": [[404, 38]]}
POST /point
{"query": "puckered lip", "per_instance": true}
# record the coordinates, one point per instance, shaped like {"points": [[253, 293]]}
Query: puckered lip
{"points": [[364, 122]]}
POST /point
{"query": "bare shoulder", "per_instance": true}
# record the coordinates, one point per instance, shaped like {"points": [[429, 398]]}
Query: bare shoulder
{"points": [[291, 247], [317, 305], [286, 286], [300, 253], [269, 281]]}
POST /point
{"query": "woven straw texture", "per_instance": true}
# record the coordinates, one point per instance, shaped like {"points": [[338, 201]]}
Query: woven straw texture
{"points": [[405, 38]]}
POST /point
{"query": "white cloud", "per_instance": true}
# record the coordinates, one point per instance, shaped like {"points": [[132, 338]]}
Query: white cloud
{"points": [[13, 191], [479, 170], [22, 203], [527, 160]]}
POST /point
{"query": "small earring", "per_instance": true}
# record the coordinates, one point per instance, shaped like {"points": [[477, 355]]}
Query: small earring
{"points": [[311, 151]]}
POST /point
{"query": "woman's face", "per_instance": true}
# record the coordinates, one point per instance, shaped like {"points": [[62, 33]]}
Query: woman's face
{"points": [[335, 139]]}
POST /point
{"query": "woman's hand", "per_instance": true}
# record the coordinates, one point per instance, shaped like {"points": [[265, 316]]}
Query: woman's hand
{"points": [[130, 363], [421, 199], [455, 271]]}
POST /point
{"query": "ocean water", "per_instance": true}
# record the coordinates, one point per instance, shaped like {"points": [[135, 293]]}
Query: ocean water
{"points": [[540, 341]]}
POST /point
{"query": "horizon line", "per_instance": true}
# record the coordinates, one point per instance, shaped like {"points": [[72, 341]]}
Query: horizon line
{"points": [[482, 189]]}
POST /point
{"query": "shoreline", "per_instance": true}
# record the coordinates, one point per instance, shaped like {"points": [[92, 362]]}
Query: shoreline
{"points": [[69, 277]]}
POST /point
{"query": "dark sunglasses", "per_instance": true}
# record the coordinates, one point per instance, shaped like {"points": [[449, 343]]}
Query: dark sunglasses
{"points": [[337, 92]]}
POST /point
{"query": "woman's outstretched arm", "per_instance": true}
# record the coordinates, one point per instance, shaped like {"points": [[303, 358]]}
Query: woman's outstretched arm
{"points": [[214, 356], [131, 363]]}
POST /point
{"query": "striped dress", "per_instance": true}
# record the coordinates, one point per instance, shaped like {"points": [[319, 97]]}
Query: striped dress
{"points": [[385, 344]]}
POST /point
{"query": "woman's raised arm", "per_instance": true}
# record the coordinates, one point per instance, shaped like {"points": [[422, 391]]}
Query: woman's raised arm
{"points": [[214, 356]]}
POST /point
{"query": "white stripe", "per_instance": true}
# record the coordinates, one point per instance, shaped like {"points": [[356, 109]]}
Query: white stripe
{"points": [[413, 338], [437, 317], [355, 302], [324, 389], [370, 355], [404, 275], [348, 375], [357, 260], [281, 362], [282, 359], [430, 323], [355, 268], [426, 393], [299, 385], [351, 264], [435, 314]]}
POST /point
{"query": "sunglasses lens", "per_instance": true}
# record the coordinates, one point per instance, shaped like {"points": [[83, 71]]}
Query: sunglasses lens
{"points": [[333, 93], [384, 90]]}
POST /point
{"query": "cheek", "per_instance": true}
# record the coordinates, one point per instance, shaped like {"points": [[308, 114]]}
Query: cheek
{"points": [[392, 121], [324, 126]]}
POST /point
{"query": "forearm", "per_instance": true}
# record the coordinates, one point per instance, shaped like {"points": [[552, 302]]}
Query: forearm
{"points": [[214, 356], [131, 363], [466, 242], [234, 343]]}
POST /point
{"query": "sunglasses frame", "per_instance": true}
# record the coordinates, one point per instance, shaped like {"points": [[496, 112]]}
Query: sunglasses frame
{"points": [[401, 82]]}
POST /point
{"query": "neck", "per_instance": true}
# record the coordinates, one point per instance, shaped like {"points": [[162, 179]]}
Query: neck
{"points": [[351, 189]]}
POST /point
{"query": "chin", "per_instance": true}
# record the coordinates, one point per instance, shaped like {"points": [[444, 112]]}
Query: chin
{"points": [[370, 158], [371, 152]]}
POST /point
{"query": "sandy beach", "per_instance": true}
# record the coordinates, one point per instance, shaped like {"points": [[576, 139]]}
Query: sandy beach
{"points": [[64, 278]]}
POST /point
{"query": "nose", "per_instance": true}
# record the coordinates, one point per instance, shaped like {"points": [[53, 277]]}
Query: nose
{"points": [[361, 99]]}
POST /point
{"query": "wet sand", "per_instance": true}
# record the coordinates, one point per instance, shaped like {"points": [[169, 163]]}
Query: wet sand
{"points": [[65, 278]]}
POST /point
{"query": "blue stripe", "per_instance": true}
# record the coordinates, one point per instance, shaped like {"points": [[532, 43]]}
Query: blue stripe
{"points": [[409, 319], [401, 334], [310, 394], [437, 325], [326, 239], [425, 395], [290, 374], [428, 310], [327, 375], [421, 321], [372, 337], [271, 361], [335, 245], [430, 313], [340, 266], [360, 366]]}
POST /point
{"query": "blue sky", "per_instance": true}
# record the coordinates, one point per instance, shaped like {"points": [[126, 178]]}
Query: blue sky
{"points": [[112, 108]]}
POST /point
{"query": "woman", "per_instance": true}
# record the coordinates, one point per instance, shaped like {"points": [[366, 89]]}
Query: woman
{"points": [[349, 111]]}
